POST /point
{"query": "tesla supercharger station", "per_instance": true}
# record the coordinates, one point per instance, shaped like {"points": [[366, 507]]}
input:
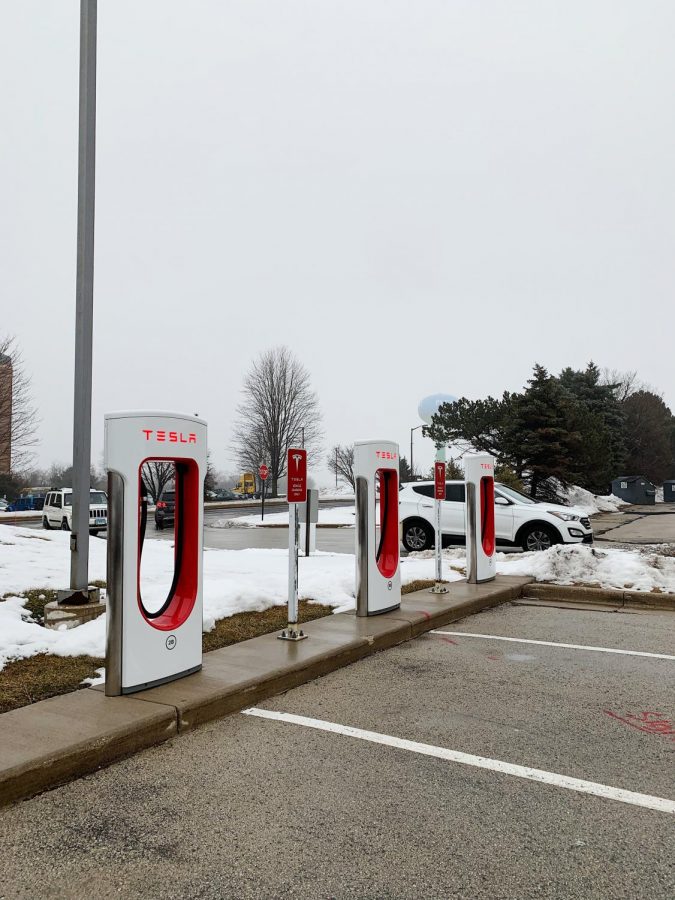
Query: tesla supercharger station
{"points": [[153, 639], [479, 477], [378, 574]]}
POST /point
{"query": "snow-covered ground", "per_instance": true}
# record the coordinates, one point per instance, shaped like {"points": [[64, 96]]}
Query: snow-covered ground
{"points": [[256, 579], [234, 581], [342, 516], [592, 503]]}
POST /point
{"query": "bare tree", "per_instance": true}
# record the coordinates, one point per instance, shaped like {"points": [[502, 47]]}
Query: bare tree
{"points": [[156, 475], [624, 384], [278, 410], [18, 418], [341, 460]]}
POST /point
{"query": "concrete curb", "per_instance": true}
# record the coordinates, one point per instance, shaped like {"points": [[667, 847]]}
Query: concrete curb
{"points": [[599, 596], [56, 740]]}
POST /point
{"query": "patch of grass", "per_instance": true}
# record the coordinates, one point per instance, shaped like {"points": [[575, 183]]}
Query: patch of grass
{"points": [[243, 626], [418, 585], [26, 681], [36, 599]]}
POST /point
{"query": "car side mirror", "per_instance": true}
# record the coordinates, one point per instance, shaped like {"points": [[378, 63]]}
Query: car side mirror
{"points": [[502, 501]]}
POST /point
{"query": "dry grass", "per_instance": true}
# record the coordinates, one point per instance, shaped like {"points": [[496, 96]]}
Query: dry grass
{"points": [[26, 681], [418, 585], [243, 626]]}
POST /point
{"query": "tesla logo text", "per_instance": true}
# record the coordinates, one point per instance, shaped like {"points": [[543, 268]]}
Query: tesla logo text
{"points": [[296, 457], [486, 466], [172, 437], [385, 454]]}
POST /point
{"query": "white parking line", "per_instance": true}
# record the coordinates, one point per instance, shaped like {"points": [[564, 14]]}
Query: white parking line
{"points": [[647, 801], [499, 637]]}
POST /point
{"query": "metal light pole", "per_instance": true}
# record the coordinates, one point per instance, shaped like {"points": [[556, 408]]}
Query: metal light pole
{"points": [[79, 540], [412, 467]]}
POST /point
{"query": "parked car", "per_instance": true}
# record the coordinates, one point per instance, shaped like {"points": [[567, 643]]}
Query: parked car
{"points": [[58, 510], [27, 503], [519, 520], [165, 511], [222, 495]]}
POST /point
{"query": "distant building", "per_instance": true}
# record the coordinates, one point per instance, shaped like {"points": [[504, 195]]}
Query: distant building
{"points": [[6, 376]]}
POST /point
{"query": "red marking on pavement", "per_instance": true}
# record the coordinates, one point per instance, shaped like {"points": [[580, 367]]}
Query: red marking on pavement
{"points": [[651, 722], [493, 657], [426, 615], [449, 641]]}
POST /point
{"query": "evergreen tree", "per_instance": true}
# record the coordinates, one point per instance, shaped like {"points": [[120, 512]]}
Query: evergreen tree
{"points": [[544, 420], [600, 419]]}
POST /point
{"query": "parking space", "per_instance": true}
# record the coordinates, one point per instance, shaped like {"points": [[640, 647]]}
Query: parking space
{"points": [[433, 794]]}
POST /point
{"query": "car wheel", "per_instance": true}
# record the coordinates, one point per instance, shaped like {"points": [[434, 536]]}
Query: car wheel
{"points": [[64, 525], [45, 523], [538, 537], [417, 536]]}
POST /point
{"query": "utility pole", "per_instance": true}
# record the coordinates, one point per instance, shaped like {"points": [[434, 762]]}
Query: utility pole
{"points": [[79, 539], [412, 465]]}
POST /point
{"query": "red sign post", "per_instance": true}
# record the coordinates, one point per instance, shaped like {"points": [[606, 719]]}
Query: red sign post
{"points": [[439, 481], [297, 476], [263, 472], [296, 492], [439, 497]]}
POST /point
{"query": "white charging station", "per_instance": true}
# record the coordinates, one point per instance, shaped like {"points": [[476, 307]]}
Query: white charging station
{"points": [[153, 640], [378, 573], [479, 477]]}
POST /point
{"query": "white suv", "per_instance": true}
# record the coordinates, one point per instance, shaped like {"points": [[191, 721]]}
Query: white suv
{"points": [[519, 520], [58, 510]]}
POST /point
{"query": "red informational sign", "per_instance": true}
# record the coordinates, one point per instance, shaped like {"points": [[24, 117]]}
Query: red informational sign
{"points": [[263, 471], [439, 481], [297, 476]]}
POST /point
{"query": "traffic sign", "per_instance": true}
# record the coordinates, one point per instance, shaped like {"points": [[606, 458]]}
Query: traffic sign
{"points": [[297, 475], [439, 480], [263, 471]]}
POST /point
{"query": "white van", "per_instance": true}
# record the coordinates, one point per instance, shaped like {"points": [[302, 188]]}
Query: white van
{"points": [[58, 510]]}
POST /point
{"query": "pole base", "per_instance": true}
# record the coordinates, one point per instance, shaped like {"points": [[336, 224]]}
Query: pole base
{"points": [[438, 588], [292, 634]]}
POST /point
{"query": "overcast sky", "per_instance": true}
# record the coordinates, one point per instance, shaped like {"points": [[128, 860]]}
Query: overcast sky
{"points": [[416, 197]]}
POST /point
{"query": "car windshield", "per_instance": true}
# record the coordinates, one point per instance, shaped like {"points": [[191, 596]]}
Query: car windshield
{"points": [[95, 497], [514, 495]]}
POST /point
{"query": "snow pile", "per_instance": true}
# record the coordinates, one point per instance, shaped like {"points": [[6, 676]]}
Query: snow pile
{"points": [[650, 569], [337, 516], [234, 581], [21, 637], [645, 569], [22, 514], [591, 504], [341, 492]]}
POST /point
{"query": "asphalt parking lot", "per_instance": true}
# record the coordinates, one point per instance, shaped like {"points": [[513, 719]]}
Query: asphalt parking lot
{"points": [[435, 797]]}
